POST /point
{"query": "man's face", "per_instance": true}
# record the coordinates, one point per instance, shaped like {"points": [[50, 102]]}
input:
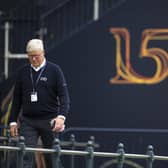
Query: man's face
{"points": [[36, 57]]}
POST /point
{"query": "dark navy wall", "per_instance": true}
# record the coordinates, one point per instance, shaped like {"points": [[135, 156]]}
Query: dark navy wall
{"points": [[88, 60]]}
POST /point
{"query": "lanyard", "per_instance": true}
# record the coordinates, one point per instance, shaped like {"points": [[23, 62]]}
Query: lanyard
{"points": [[38, 78]]}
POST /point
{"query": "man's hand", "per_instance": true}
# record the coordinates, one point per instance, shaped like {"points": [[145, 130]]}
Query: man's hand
{"points": [[14, 130], [58, 124]]}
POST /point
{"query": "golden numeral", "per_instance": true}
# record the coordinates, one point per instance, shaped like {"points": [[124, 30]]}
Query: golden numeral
{"points": [[124, 71]]}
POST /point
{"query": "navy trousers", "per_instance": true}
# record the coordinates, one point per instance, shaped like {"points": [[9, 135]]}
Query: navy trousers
{"points": [[32, 130]]}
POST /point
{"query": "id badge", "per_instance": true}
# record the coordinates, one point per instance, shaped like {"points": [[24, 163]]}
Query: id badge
{"points": [[34, 97]]}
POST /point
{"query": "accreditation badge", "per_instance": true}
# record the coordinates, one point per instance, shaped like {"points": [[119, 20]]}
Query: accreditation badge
{"points": [[34, 97]]}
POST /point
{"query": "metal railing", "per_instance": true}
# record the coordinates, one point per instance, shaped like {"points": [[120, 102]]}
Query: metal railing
{"points": [[89, 153], [72, 16], [15, 144], [68, 18], [112, 130]]}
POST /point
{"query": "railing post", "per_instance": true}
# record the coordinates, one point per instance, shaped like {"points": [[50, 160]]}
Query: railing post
{"points": [[72, 139], [151, 155], [8, 135], [96, 10], [92, 138], [90, 156], [121, 158], [21, 152], [56, 154], [8, 152]]}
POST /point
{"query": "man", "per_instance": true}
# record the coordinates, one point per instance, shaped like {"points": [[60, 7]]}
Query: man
{"points": [[41, 95]]}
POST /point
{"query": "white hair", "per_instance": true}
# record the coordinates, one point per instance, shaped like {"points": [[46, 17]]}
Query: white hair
{"points": [[35, 44]]}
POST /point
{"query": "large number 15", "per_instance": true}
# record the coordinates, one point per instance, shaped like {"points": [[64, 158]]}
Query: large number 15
{"points": [[124, 71]]}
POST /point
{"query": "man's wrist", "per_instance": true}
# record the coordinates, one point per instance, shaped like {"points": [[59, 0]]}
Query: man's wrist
{"points": [[62, 117], [13, 124]]}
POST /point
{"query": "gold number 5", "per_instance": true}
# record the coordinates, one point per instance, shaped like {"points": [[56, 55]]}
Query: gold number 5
{"points": [[124, 71]]}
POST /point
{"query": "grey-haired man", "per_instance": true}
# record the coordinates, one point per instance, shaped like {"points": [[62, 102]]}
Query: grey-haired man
{"points": [[41, 94]]}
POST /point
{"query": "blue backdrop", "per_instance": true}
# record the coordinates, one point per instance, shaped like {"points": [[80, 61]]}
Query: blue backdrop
{"points": [[89, 62]]}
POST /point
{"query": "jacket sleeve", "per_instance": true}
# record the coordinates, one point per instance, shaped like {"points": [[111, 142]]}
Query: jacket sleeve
{"points": [[63, 94]]}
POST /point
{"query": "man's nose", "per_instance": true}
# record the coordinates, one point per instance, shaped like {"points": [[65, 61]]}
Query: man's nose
{"points": [[33, 58]]}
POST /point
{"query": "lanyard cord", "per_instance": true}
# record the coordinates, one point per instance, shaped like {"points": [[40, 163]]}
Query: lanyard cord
{"points": [[38, 78]]}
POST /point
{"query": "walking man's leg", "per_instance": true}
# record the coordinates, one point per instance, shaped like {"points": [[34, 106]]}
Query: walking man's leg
{"points": [[31, 136]]}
